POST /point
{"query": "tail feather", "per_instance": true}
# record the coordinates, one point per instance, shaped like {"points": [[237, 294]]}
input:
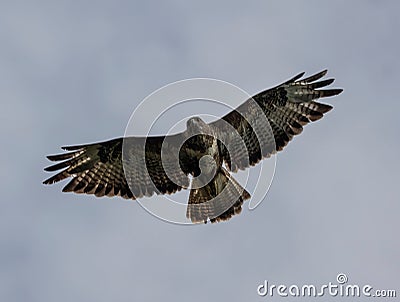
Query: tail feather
{"points": [[216, 201]]}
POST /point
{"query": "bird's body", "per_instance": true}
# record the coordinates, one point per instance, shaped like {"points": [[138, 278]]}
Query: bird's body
{"points": [[200, 141], [207, 199], [133, 167]]}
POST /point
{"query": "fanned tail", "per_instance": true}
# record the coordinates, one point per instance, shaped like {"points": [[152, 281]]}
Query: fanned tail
{"points": [[216, 201]]}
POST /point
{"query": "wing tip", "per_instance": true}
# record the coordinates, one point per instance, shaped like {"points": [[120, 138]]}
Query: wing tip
{"points": [[298, 76], [331, 92], [49, 169], [315, 76], [50, 180], [326, 108], [72, 148], [295, 78]]}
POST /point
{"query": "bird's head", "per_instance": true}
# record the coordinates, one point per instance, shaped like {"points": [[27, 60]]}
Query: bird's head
{"points": [[196, 125]]}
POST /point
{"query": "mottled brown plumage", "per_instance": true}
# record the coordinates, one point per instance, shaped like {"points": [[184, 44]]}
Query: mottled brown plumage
{"points": [[258, 128]]}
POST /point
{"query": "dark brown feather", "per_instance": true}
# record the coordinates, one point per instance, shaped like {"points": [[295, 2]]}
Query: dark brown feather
{"points": [[97, 169], [288, 107]]}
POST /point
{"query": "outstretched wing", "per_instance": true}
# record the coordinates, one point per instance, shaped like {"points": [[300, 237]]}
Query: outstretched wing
{"points": [[287, 108], [98, 168]]}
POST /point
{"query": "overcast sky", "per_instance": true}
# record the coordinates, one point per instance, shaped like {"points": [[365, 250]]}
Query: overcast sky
{"points": [[71, 72]]}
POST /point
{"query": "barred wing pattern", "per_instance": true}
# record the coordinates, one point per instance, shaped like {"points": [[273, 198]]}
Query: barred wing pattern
{"points": [[287, 107], [98, 168]]}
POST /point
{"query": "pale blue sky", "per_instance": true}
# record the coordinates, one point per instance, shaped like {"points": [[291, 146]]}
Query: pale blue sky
{"points": [[73, 71]]}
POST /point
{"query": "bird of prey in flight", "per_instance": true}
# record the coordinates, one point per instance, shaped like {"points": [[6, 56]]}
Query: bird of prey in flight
{"points": [[201, 157]]}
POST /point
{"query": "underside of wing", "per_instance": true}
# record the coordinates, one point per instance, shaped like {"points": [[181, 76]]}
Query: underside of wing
{"points": [[286, 109], [103, 169]]}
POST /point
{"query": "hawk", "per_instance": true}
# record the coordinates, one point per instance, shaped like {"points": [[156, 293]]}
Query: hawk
{"points": [[201, 157]]}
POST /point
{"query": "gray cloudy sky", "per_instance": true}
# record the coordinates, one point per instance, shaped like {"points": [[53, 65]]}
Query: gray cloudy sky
{"points": [[72, 72]]}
